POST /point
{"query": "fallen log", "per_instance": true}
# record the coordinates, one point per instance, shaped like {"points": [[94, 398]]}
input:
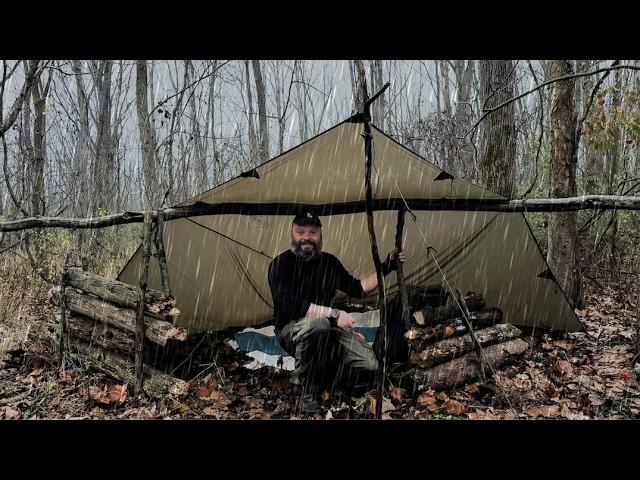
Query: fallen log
{"points": [[455, 347], [93, 332], [465, 369], [433, 316], [157, 331], [157, 304], [419, 337], [156, 383]]}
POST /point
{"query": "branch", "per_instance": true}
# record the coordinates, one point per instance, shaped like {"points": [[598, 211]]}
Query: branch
{"points": [[585, 202], [487, 111], [19, 101]]}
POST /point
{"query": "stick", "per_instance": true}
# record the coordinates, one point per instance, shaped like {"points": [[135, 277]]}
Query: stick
{"points": [[146, 251]]}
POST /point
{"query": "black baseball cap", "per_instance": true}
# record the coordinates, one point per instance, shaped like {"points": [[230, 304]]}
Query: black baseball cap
{"points": [[307, 218]]}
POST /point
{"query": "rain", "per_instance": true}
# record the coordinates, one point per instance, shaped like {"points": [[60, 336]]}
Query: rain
{"points": [[504, 308]]}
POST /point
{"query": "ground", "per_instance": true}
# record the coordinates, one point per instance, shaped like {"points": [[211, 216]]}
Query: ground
{"points": [[591, 375]]}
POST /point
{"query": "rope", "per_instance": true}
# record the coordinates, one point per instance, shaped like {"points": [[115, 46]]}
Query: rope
{"points": [[229, 238]]}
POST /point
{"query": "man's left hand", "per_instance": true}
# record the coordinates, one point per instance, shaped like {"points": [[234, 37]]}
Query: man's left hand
{"points": [[401, 255]]}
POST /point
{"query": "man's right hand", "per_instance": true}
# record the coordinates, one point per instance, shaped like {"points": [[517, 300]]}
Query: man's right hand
{"points": [[346, 321]]}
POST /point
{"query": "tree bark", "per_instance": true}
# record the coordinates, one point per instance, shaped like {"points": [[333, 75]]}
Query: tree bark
{"points": [[455, 347], [263, 149], [465, 369], [592, 202], [103, 171], [93, 332], [156, 383], [420, 338], [431, 315], [157, 304], [39, 97], [498, 131], [563, 243], [80, 190], [253, 139], [157, 331], [147, 139]]}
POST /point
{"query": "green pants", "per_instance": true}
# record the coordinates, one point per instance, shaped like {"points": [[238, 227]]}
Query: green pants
{"points": [[327, 356]]}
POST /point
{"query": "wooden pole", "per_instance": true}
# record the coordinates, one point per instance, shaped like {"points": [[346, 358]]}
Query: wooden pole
{"points": [[381, 354], [63, 306], [144, 271], [404, 303], [158, 240], [587, 202]]}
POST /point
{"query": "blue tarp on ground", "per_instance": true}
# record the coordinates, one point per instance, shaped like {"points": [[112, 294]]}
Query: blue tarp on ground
{"points": [[252, 341]]}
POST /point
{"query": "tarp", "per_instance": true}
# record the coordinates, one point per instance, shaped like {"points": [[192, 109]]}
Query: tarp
{"points": [[218, 263]]}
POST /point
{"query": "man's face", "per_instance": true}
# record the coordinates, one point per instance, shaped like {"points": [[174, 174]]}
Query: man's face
{"points": [[306, 241]]}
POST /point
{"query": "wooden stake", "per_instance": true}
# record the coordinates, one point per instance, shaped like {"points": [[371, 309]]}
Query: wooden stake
{"points": [[158, 240], [400, 270], [63, 306], [382, 350], [144, 272]]}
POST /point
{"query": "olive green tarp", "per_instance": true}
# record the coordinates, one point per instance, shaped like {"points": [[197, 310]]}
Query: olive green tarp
{"points": [[218, 263]]}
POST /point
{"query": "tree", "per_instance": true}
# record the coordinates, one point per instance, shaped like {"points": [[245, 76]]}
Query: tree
{"points": [[263, 147], [152, 195], [563, 243], [497, 131]]}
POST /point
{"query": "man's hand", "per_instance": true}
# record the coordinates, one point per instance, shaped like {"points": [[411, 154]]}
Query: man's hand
{"points": [[394, 253], [346, 321]]}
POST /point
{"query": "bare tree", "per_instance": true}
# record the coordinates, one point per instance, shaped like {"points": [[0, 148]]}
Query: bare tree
{"points": [[497, 132], [263, 149], [563, 243], [152, 195]]}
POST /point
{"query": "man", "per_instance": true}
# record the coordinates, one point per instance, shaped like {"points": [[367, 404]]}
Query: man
{"points": [[303, 282]]}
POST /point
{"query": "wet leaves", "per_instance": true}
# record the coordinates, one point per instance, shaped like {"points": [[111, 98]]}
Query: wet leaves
{"points": [[107, 393]]}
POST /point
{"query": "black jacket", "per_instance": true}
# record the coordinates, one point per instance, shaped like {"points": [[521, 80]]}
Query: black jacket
{"points": [[296, 283]]}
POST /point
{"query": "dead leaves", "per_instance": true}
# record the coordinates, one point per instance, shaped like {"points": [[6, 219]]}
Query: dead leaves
{"points": [[546, 411], [398, 395], [563, 368], [108, 394], [10, 413]]}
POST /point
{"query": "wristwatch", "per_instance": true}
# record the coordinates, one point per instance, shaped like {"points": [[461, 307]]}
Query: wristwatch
{"points": [[333, 317]]}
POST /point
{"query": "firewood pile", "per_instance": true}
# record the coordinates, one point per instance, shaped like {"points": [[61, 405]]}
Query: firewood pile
{"points": [[443, 353], [101, 326]]}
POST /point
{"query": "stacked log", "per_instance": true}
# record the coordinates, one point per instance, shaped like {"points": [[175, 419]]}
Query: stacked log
{"points": [[443, 353], [101, 324]]}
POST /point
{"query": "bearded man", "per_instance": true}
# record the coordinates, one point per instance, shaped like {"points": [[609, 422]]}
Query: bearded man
{"points": [[303, 282]]}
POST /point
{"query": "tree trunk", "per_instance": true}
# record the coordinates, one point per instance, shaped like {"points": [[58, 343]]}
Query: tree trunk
{"points": [[253, 139], [444, 313], [39, 96], [263, 149], [497, 131], [80, 192], [103, 171], [455, 347], [152, 195], [420, 338], [358, 84], [93, 332], [465, 369], [377, 82], [156, 383], [157, 304], [157, 331], [614, 165], [594, 164], [463, 114], [563, 244]]}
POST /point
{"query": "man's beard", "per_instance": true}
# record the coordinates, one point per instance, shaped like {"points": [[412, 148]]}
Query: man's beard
{"points": [[306, 255]]}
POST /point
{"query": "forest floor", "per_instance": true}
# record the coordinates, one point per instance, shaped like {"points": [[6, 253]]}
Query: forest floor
{"points": [[591, 375]]}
